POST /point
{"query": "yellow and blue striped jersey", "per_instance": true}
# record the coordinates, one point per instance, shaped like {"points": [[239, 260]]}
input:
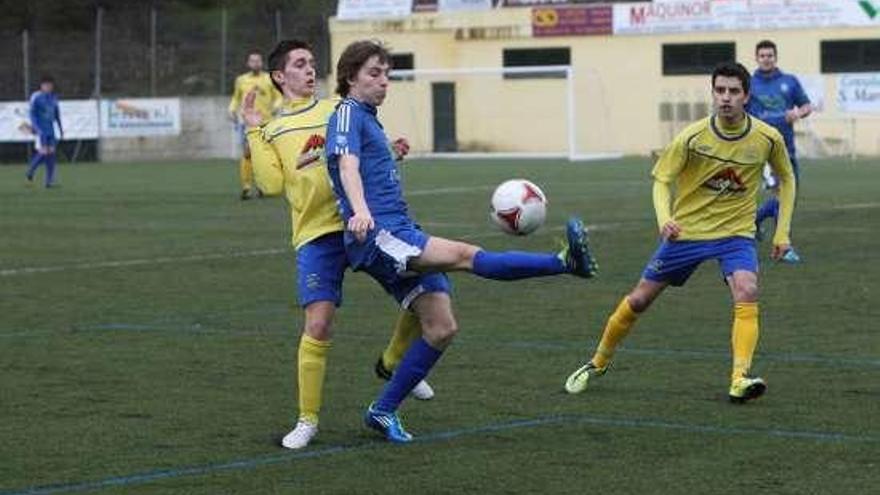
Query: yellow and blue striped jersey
{"points": [[268, 97], [716, 175], [288, 157]]}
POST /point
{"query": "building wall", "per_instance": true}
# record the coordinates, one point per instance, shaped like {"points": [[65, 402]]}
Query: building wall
{"points": [[619, 86]]}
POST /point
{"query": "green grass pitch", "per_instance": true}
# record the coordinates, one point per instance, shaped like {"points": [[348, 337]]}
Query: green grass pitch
{"points": [[148, 332]]}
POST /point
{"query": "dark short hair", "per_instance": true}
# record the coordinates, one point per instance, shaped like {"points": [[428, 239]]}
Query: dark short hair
{"points": [[733, 69], [278, 57], [46, 78], [766, 44], [353, 58]]}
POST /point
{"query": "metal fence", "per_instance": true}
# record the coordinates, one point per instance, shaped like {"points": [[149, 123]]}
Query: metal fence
{"points": [[147, 48]]}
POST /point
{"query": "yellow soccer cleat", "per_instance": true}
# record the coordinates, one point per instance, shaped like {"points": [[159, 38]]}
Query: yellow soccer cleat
{"points": [[746, 388], [577, 381]]}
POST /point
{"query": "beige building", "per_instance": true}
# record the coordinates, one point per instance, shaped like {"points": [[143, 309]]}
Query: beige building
{"points": [[619, 99]]}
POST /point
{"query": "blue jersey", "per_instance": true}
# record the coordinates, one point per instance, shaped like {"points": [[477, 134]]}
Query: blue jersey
{"points": [[353, 129], [44, 112], [772, 94]]}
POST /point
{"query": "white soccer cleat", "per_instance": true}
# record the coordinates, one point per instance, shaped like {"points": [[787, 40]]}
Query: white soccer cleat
{"points": [[300, 436], [423, 391]]}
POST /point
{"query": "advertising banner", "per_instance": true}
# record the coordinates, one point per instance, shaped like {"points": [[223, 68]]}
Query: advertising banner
{"points": [[140, 117], [577, 20], [373, 9], [858, 93], [463, 5], [78, 117], [681, 16]]}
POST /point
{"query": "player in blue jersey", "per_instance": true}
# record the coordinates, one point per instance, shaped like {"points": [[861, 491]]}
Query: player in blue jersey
{"points": [[384, 241], [778, 99], [44, 114]]}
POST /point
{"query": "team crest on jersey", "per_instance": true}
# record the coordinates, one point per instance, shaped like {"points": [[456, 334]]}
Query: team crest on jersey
{"points": [[726, 181]]}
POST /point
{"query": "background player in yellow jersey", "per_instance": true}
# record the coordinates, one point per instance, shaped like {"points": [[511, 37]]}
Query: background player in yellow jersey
{"points": [[715, 168], [288, 154], [266, 100]]}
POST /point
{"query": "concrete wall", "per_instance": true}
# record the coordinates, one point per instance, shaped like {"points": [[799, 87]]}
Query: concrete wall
{"points": [[206, 132], [619, 84]]}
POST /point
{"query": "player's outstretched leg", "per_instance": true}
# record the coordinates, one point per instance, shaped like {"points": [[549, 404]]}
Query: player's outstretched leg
{"points": [[50, 170], [36, 160], [575, 259]]}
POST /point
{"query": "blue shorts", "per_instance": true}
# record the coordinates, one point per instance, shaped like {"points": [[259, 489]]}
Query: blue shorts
{"points": [[47, 140], [385, 254], [320, 268], [241, 130], [675, 261]]}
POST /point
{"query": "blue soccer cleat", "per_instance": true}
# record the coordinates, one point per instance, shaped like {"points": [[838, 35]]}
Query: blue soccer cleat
{"points": [[577, 255], [388, 424], [791, 257]]}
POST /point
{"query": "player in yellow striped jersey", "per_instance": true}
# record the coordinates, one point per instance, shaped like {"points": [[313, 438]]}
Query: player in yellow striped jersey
{"points": [[715, 168], [288, 154], [266, 101]]}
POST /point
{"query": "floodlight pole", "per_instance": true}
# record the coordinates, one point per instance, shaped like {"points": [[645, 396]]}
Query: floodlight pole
{"points": [[26, 62], [223, 50], [278, 34], [96, 92], [153, 49]]}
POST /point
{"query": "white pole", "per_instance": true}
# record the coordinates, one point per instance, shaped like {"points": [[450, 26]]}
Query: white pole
{"points": [[570, 114]]}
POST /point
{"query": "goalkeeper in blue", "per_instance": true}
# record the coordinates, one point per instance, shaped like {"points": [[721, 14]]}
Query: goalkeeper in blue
{"points": [[384, 241], [44, 113]]}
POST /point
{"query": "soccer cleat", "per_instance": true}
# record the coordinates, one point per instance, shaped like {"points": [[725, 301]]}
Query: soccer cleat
{"points": [[577, 255], [422, 390], [791, 257], [388, 424], [746, 388], [577, 381], [301, 435], [245, 194]]}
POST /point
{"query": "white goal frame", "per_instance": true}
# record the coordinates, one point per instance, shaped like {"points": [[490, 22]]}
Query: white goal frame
{"points": [[570, 115]]}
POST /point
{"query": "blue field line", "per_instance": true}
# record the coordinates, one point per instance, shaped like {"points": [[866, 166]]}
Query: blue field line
{"points": [[255, 462]]}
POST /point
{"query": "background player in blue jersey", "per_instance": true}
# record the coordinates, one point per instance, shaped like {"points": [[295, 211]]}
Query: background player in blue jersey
{"points": [[44, 114], [778, 99], [383, 240]]}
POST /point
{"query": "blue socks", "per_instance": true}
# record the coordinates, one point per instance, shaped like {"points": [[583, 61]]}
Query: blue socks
{"points": [[770, 209], [50, 169], [36, 160], [413, 368], [515, 265]]}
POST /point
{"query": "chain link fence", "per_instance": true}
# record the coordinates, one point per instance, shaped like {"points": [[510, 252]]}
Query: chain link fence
{"points": [[158, 48]]}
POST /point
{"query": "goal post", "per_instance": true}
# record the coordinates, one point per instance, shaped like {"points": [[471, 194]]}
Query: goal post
{"points": [[493, 112]]}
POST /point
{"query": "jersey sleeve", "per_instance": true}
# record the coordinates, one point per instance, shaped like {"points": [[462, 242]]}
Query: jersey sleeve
{"points": [[671, 161], [235, 101], [781, 165], [799, 96], [268, 170], [345, 132]]}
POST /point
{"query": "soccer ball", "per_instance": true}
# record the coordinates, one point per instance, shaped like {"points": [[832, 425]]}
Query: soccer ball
{"points": [[518, 207]]}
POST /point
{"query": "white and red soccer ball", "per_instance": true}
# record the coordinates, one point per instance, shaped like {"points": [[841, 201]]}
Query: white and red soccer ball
{"points": [[518, 207]]}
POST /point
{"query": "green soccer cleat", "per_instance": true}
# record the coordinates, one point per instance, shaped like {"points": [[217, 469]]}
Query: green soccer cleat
{"points": [[577, 381], [746, 388]]}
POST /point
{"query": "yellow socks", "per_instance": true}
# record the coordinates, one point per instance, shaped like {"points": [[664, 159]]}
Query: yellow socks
{"points": [[311, 366], [246, 173], [744, 337], [406, 329], [618, 326]]}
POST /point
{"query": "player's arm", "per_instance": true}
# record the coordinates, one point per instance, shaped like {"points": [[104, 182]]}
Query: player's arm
{"points": [[781, 165], [33, 114], [665, 171], [802, 107], [58, 120], [268, 170], [349, 172], [235, 102]]}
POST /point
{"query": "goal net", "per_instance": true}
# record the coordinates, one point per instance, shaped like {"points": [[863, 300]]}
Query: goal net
{"points": [[500, 112]]}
